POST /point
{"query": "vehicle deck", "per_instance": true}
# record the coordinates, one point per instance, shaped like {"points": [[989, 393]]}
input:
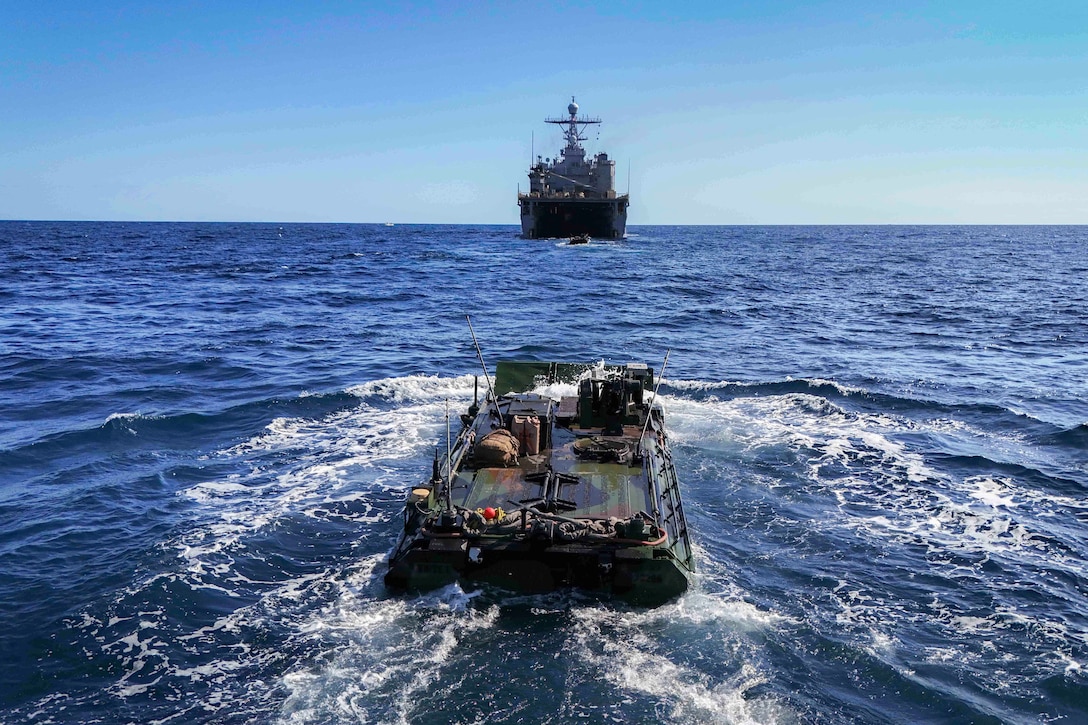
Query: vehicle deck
{"points": [[603, 489]]}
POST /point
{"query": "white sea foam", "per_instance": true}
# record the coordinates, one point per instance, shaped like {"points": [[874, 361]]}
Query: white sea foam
{"points": [[330, 467], [135, 655], [881, 488], [380, 658], [383, 655], [372, 659], [860, 460], [626, 649], [1071, 665], [387, 654], [878, 486], [300, 465]]}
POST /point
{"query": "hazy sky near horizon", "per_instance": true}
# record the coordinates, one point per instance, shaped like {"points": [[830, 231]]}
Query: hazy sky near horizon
{"points": [[769, 112]]}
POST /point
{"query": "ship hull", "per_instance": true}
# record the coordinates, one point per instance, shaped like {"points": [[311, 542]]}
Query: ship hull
{"points": [[543, 218], [636, 577]]}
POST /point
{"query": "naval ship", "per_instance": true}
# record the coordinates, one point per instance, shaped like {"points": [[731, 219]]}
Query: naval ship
{"points": [[572, 196]]}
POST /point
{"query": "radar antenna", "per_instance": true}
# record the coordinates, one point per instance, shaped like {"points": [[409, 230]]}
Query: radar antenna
{"points": [[575, 125]]}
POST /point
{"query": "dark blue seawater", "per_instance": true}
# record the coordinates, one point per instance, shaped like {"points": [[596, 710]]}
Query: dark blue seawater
{"points": [[206, 431]]}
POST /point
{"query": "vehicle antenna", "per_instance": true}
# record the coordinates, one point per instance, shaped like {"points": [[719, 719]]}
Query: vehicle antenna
{"points": [[650, 409], [449, 468], [480, 355]]}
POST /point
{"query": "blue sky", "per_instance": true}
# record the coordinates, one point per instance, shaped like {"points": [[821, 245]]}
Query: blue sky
{"points": [[767, 112]]}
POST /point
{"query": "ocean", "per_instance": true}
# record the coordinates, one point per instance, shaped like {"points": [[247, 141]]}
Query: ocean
{"points": [[207, 432]]}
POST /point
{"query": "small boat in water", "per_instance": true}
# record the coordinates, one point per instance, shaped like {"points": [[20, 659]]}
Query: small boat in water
{"points": [[542, 491], [580, 239]]}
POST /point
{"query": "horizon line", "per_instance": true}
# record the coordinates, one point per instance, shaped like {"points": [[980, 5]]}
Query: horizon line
{"points": [[517, 226]]}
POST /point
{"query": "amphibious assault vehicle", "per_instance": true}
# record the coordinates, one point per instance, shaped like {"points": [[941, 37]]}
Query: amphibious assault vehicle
{"points": [[542, 491]]}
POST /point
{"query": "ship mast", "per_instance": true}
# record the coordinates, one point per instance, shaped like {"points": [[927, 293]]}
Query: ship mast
{"points": [[575, 126]]}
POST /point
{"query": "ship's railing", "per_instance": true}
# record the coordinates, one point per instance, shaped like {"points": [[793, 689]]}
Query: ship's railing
{"points": [[556, 195], [668, 508]]}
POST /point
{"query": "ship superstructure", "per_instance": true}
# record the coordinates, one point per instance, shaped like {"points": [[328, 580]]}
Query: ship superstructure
{"points": [[573, 195]]}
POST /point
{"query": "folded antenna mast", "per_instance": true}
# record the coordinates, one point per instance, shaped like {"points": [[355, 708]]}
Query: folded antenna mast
{"points": [[650, 408], [487, 377]]}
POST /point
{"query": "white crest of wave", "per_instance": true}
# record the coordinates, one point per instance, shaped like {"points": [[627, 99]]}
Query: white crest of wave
{"points": [[122, 416], [697, 386], [418, 389]]}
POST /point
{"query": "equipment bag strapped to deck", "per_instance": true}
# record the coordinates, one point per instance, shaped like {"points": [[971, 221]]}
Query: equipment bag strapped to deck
{"points": [[498, 448]]}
